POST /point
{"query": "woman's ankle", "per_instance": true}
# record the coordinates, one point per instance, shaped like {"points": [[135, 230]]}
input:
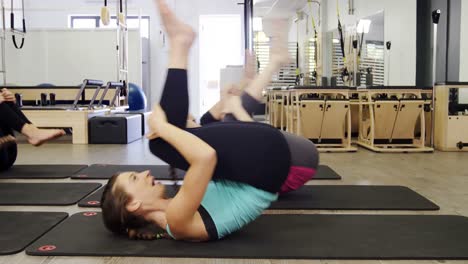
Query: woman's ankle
{"points": [[28, 130]]}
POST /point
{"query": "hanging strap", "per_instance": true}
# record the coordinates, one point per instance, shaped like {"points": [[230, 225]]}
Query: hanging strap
{"points": [[314, 73], [340, 30], [12, 23]]}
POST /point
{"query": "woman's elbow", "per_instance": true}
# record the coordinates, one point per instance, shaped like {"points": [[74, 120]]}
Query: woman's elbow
{"points": [[209, 156]]}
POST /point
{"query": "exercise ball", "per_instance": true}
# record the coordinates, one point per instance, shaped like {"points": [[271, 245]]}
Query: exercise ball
{"points": [[45, 85], [136, 98]]}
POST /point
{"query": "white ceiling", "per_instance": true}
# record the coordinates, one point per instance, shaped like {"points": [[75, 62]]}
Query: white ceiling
{"points": [[277, 8]]}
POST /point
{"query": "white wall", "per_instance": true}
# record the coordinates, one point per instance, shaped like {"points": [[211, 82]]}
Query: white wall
{"points": [[464, 42], [54, 14], [399, 28], [66, 57]]}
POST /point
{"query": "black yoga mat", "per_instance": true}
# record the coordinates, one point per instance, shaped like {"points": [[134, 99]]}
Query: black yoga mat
{"points": [[94, 200], [353, 197], [44, 193], [278, 237], [326, 173], [41, 171], [330, 197], [104, 171], [161, 172], [19, 229]]}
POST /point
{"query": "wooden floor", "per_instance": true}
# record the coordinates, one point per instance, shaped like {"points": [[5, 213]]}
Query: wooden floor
{"points": [[441, 177]]}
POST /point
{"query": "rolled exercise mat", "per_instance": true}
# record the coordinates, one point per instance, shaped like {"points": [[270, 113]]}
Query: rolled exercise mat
{"points": [[45, 193], [329, 197], [105, 171], [19, 229], [396, 237], [41, 171]]}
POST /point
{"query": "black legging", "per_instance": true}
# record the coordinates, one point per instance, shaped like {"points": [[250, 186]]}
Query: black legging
{"points": [[7, 154], [248, 152], [304, 153], [11, 119]]}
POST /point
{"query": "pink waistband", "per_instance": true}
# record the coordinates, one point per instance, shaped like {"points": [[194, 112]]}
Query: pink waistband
{"points": [[297, 177]]}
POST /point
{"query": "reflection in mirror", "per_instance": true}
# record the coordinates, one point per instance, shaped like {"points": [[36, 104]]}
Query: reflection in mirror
{"points": [[364, 44], [371, 52], [304, 29]]}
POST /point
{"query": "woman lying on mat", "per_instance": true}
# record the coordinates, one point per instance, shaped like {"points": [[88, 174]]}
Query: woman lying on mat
{"points": [[234, 169], [11, 118]]}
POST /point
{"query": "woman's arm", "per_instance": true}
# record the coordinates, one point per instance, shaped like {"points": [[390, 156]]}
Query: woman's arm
{"points": [[234, 107], [202, 159]]}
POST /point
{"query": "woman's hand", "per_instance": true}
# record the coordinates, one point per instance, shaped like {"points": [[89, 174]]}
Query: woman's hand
{"points": [[232, 104], [2, 99], [157, 122], [8, 96]]}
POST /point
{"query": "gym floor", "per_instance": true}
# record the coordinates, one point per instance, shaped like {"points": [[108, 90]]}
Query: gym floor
{"points": [[441, 177]]}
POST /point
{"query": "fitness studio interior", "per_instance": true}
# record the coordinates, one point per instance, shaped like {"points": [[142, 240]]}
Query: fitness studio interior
{"points": [[348, 121]]}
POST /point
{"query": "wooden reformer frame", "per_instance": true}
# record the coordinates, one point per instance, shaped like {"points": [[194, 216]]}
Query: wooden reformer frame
{"points": [[450, 129], [389, 119], [330, 118]]}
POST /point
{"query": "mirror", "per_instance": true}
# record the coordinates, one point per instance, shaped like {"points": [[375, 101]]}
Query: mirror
{"points": [[304, 23], [371, 31], [364, 49]]}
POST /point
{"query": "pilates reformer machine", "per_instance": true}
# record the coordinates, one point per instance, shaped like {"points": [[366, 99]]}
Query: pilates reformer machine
{"points": [[321, 114], [451, 116], [55, 114], [394, 119]]}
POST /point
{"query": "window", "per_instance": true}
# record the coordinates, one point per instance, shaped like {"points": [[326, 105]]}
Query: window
{"points": [[311, 60], [90, 22], [286, 76], [84, 22], [337, 62], [373, 57]]}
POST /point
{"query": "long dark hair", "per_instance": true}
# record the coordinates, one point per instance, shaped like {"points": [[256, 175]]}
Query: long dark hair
{"points": [[115, 215]]}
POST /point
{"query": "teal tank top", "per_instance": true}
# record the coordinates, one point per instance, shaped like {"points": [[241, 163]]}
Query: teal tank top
{"points": [[233, 205]]}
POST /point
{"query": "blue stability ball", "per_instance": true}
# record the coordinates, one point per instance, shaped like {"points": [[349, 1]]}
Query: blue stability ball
{"points": [[45, 85], [136, 98]]}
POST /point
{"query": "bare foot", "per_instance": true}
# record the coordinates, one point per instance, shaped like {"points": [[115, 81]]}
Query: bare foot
{"points": [[37, 137], [231, 104], [178, 32], [44, 135], [6, 141], [250, 70], [279, 47], [279, 51]]}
